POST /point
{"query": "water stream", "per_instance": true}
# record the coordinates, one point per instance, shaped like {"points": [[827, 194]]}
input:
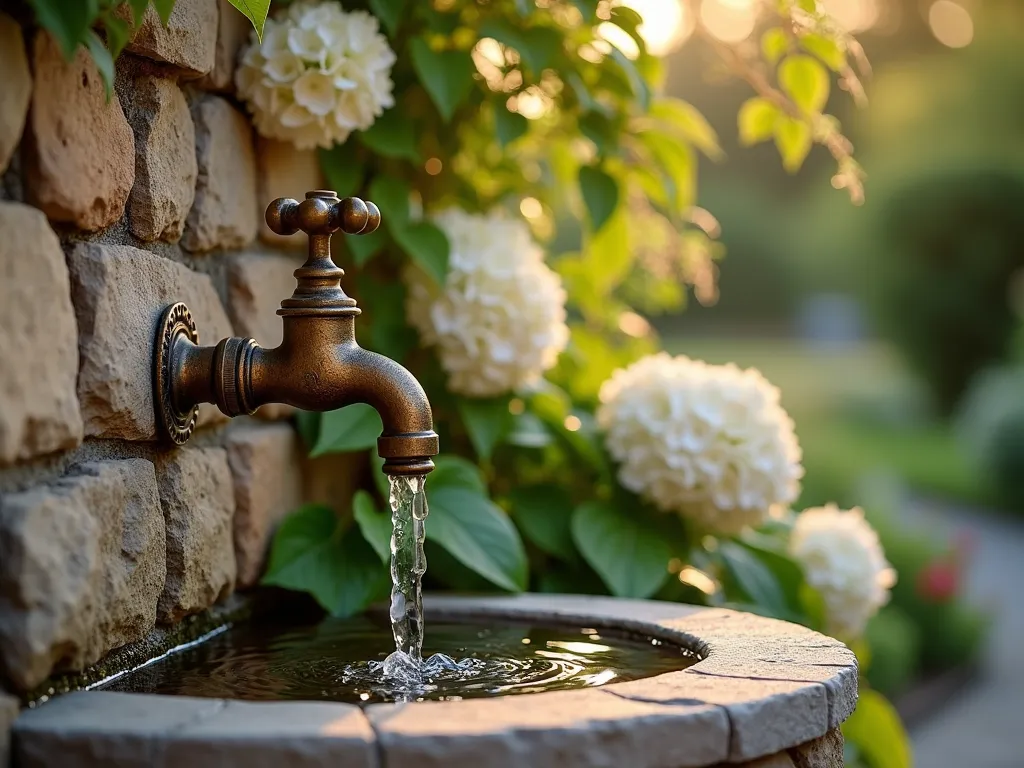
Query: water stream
{"points": [[408, 500]]}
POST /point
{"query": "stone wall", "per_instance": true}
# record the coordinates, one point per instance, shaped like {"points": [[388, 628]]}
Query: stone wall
{"points": [[109, 211]]}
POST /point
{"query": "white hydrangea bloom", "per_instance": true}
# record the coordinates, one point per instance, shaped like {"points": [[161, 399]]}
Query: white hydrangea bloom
{"points": [[319, 74], [843, 559], [710, 442], [499, 322]]}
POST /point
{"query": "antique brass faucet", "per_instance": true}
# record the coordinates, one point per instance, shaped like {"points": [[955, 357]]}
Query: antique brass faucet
{"points": [[318, 367]]}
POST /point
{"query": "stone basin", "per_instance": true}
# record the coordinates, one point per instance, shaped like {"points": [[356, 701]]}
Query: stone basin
{"points": [[766, 693]]}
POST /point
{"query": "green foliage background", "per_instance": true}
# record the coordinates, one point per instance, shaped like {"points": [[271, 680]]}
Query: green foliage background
{"points": [[525, 495]]}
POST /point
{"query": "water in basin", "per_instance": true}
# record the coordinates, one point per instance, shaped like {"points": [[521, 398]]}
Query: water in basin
{"points": [[340, 660]]}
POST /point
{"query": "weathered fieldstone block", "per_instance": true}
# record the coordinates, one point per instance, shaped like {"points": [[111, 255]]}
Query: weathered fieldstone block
{"points": [[189, 40], [80, 151], [265, 466], [38, 344], [826, 752], [233, 31], [165, 160], [197, 496], [257, 282], [9, 707], [780, 760], [15, 87], [285, 171], [81, 568], [224, 214], [119, 293]]}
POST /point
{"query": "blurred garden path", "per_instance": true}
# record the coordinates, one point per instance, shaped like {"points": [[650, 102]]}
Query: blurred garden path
{"points": [[984, 726]]}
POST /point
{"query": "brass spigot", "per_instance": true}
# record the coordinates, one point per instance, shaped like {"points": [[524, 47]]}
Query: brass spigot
{"points": [[318, 367]]}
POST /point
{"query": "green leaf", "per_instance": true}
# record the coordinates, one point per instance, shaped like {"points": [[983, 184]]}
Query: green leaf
{"points": [[103, 59], [392, 135], [381, 481], [391, 195], [374, 524], [794, 140], [447, 75], [755, 582], [487, 421], [806, 81], [68, 22], [637, 84], [600, 130], [774, 45], [355, 427], [875, 729], [544, 514], [786, 571], [629, 555], [825, 49], [478, 534], [757, 121], [384, 302], [138, 8], [600, 193], [308, 425], [528, 432], [536, 46], [508, 126], [118, 32], [456, 472], [254, 10], [628, 20], [428, 247], [687, 119], [164, 8], [588, 8], [340, 169], [389, 12], [312, 554], [364, 247], [580, 90], [678, 162], [552, 406]]}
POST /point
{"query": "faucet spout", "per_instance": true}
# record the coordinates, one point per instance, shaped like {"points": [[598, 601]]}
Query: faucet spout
{"points": [[319, 366]]}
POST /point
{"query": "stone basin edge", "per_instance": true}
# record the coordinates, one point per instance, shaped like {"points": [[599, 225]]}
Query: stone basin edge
{"points": [[762, 687]]}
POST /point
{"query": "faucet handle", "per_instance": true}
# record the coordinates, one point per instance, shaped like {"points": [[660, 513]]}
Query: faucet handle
{"points": [[322, 213]]}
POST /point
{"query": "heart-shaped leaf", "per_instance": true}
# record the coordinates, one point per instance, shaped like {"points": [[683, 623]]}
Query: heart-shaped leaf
{"points": [[478, 534], [630, 556], [355, 427], [312, 553]]}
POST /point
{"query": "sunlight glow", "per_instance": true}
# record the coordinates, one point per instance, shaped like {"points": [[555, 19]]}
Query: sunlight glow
{"points": [[531, 208], [951, 24], [572, 423], [854, 16], [575, 647], [632, 324], [699, 579], [666, 24], [731, 21]]}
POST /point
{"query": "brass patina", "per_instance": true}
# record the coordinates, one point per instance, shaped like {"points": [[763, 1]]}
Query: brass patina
{"points": [[318, 367]]}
